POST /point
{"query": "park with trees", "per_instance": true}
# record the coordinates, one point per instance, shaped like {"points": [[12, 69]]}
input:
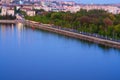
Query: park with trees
{"points": [[98, 22]]}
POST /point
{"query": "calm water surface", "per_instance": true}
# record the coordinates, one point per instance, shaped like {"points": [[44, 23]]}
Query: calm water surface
{"points": [[27, 54]]}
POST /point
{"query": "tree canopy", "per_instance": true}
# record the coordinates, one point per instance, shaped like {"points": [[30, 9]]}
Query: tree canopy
{"points": [[93, 21]]}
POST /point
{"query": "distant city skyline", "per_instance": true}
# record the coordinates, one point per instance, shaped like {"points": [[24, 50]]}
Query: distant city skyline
{"points": [[95, 1], [90, 1]]}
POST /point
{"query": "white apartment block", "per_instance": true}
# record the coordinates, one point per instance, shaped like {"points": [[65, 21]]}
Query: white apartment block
{"points": [[4, 11], [11, 12], [30, 13], [7, 11]]}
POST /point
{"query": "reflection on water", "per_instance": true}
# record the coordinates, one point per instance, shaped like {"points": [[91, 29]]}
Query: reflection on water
{"points": [[11, 30], [87, 43], [16, 29], [27, 54]]}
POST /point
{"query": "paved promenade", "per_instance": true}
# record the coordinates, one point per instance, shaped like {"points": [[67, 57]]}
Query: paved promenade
{"points": [[50, 28], [109, 43], [8, 21]]}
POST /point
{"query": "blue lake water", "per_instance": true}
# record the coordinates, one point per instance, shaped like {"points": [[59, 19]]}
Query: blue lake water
{"points": [[27, 54]]}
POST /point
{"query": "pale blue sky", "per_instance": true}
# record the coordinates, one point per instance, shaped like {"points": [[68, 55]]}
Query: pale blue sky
{"points": [[96, 1]]}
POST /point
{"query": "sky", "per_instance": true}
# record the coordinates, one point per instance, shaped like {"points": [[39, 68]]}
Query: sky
{"points": [[96, 1]]}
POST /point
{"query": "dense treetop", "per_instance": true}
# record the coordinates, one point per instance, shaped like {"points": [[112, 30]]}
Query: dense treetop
{"points": [[93, 21]]}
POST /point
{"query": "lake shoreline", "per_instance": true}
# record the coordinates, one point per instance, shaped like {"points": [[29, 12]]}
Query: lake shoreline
{"points": [[105, 42], [49, 28], [8, 21]]}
